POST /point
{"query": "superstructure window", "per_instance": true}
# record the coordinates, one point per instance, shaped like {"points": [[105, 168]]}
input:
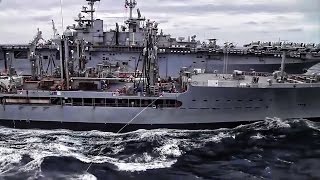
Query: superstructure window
{"points": [[55, 101], [111, 102], [99, 102], [77, 101], [87, 102]]}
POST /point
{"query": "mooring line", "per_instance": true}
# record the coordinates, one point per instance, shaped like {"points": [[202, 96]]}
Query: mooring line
{"points": [[128, 123]]}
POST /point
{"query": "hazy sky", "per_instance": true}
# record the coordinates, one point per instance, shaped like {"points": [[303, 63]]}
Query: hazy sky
{"points": [[239, 21]]}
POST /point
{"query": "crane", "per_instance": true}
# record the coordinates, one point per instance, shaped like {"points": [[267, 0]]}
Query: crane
{"points": [[55, 31], [33, 56]]}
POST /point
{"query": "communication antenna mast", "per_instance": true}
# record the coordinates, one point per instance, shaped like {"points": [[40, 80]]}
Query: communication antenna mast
{"points": [[61, 13], [284, 50], [131, 4]]}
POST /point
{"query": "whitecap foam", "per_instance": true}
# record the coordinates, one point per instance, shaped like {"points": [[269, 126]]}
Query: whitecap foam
{"points": [[133, 167], [170, 145], [313, 125], [85, 176], [217, 138], [170, 148], [8, 158], [258, 136]]}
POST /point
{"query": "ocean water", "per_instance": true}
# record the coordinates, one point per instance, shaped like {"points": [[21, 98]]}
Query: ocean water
{"points": [[273, 149], [314, 69]]}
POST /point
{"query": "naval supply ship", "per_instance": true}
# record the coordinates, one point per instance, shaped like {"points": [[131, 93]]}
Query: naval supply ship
{"points": [[124, 44], [110, 99]]}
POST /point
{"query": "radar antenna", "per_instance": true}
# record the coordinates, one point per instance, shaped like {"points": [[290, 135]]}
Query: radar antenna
{"points": [[131, 4]]}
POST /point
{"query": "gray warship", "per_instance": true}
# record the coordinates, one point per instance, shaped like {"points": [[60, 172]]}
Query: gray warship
{"points": [[124, 44], [109, 98]]}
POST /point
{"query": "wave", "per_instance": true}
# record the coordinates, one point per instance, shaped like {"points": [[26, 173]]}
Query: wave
{"points": [[26, 153]]}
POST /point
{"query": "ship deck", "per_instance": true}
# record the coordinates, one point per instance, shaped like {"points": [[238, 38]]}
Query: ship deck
{"points": [[265, 80]]}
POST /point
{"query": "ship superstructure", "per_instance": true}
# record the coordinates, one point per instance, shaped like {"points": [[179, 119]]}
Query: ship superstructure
{"points": [[124, 45]]}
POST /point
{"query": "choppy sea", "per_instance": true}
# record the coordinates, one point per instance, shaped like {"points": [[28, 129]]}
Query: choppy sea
{"points": [[273, 149]]}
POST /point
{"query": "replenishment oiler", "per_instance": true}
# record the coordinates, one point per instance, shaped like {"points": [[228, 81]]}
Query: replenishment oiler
{"points": [[110, 98], [123, 44]]}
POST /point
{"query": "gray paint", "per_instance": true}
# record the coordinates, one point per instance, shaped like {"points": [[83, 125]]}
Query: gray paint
{"points": [[200, 105]]}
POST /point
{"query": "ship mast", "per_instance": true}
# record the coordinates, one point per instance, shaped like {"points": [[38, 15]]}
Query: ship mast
{"points": [[150, 71], [33, 57], [284, 50], [91, 10]]}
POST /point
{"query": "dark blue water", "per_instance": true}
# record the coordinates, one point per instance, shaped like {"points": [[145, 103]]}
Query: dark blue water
{"points": [[274, 149]]}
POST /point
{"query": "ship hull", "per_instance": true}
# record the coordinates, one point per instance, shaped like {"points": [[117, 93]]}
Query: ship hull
{"points": [[117, 128], [202, 108]]}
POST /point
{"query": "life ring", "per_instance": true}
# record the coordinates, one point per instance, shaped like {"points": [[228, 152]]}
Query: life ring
{"points": [[195, 83]]}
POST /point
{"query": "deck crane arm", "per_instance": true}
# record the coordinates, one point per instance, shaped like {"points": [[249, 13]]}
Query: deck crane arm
{"points": [[55, 31], [33, 57], [34, 42]]}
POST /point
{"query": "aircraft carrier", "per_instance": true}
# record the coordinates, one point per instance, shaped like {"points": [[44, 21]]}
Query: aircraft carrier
{"points": [[110, 98], [124, 44]]}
